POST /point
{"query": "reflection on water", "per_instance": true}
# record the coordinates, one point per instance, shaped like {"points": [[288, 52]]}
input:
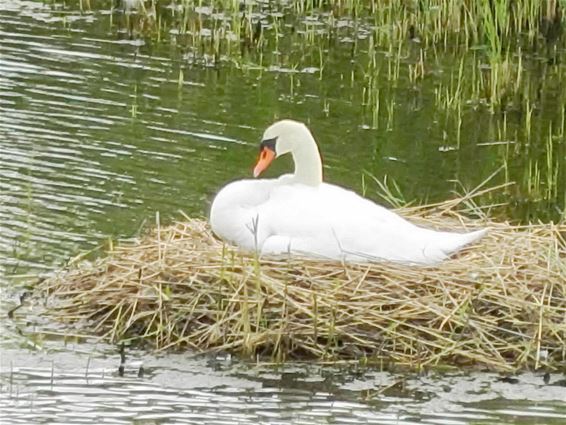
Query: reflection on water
{"points": [[100, 128], [78, 388]]}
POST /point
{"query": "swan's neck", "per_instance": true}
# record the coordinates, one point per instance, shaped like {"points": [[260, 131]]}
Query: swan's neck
{"points": [[308, 166]]}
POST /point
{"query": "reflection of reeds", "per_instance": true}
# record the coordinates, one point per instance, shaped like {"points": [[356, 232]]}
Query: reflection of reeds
{"points": [[500, 303], [226, 31]]}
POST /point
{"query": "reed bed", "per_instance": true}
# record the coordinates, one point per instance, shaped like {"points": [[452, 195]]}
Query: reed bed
{"points": [[500, 303]]}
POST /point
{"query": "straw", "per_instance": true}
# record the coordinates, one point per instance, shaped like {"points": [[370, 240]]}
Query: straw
{"points": [[500, 303]]}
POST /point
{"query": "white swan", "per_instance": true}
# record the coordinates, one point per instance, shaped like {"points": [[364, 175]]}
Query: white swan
{"points": [[299, 214]]}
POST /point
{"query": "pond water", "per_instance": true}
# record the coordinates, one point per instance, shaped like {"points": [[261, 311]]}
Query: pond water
{"points": [[107, 118]]}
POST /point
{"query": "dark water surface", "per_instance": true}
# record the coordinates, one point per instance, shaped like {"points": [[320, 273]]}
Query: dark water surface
{"points": [[102, 125]]}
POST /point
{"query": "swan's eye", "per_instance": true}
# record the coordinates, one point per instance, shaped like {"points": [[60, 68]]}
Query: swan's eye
{"points": [[268, 144]]}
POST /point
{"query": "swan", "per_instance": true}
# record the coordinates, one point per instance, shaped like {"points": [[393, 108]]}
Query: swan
{"points": [[299, 214]]}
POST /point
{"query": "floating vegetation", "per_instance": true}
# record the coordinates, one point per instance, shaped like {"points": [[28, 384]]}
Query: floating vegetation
{"points": [[499, 304]]}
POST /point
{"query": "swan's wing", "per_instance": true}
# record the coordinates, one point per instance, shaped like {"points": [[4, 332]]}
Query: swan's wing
{"points": [[234, 211], [336, 223], [328, 221]]}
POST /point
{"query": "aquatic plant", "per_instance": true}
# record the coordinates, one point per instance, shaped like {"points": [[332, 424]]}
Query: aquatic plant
{"points": [[497, 62]]}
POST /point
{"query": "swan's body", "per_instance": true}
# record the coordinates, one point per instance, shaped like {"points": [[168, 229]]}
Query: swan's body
{"points": [[299, 214]]}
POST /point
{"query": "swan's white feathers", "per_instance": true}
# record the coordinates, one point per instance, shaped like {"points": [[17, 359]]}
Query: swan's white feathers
{"points": [[325, 221]]}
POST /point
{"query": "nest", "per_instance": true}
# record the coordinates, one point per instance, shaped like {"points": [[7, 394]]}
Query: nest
{"points": [[500, 303]]}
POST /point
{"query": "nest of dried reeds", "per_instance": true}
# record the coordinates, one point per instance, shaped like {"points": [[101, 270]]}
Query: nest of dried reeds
{"points": [[500, 303]]}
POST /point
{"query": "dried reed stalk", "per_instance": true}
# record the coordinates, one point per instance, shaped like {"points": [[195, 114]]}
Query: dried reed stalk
{"points": [[500, 303]]}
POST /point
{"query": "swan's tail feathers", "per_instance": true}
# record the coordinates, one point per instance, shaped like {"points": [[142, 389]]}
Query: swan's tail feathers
{"points": [[459, 241]]}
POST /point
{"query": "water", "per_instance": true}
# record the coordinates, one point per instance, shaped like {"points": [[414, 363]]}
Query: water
{"points": [[102, 126], [61, 387]]}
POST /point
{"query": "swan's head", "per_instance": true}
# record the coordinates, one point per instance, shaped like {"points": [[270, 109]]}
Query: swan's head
{"points": [[280, 138]]}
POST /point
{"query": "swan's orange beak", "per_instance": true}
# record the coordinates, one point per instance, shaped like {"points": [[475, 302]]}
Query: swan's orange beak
{"points": [[266, 156]]}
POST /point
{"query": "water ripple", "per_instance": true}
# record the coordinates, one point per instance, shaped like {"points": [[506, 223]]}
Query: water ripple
{"points": [[74, 150]]}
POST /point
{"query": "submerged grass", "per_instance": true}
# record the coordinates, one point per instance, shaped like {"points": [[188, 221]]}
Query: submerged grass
{"points": [[500, 304]]}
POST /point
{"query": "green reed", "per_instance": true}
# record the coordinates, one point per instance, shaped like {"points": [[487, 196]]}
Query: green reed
{"points": [[494, 60]]}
